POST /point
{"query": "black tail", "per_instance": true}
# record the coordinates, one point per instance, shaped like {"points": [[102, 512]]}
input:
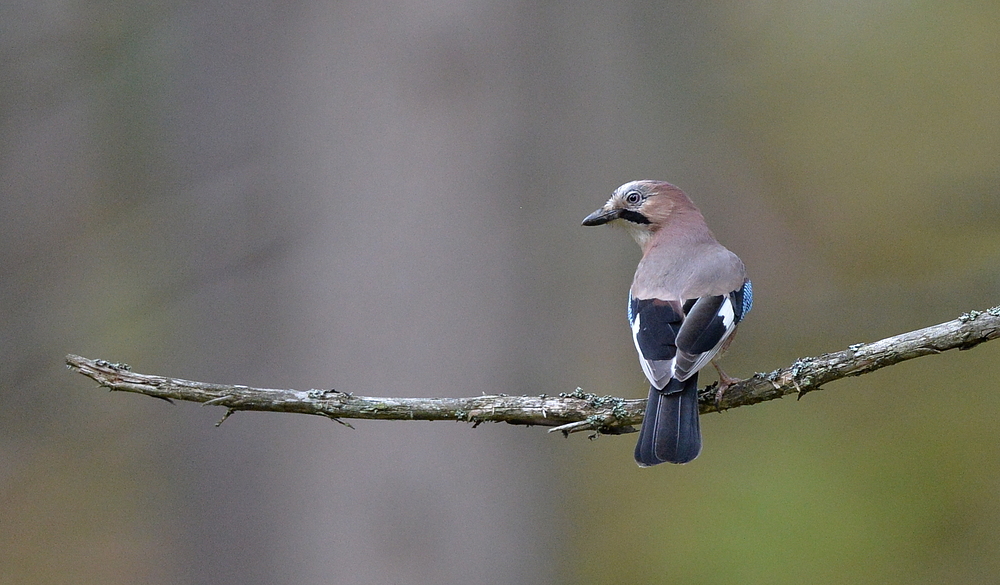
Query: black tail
{"points": [[670, 430]]}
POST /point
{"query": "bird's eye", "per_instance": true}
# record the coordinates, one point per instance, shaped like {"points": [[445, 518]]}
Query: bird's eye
{"points": [[633, 197]]}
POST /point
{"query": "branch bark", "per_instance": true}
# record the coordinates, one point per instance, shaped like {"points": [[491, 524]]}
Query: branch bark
{"points": [[567, 412]]}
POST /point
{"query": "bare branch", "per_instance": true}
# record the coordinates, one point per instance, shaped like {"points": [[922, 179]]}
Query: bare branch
{"points": [[567, 413], [808, 374]]}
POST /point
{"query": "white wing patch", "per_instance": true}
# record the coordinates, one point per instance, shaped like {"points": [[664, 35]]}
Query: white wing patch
{"points": [[728, 313]]}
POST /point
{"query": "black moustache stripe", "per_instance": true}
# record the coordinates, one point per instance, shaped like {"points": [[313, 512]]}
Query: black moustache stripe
{"points": [[633, 216]]}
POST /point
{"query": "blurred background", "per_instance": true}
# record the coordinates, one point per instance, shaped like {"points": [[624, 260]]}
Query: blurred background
{"points": [[385, 198]]}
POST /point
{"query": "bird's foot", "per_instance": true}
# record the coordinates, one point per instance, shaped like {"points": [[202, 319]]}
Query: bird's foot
{"points": [[725, 381]]}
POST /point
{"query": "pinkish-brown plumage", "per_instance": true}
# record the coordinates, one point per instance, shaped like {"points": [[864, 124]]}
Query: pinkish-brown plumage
{"points": [[687, 297]]}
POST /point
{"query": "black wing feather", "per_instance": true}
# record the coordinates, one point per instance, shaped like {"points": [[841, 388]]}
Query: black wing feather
{"points": [[703, 327], [659, 323]]}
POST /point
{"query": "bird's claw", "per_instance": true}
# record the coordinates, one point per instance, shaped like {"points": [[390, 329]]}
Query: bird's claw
{"points": [[725, 381]]}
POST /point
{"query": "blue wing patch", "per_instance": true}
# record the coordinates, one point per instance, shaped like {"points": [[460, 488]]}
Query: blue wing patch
{"points": [[743, 300]]}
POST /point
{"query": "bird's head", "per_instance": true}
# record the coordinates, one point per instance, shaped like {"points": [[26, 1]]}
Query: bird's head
{"points": [[642, 207]]}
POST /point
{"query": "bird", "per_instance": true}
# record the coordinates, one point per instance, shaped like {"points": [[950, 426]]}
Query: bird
{"points": [[688, 295]]}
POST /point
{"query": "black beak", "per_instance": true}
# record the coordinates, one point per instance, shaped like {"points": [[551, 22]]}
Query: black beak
{"points": [[602, 216]]}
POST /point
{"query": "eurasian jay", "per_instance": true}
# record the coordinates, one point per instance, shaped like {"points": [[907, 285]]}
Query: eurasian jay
{"points": [[687, 297]]}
